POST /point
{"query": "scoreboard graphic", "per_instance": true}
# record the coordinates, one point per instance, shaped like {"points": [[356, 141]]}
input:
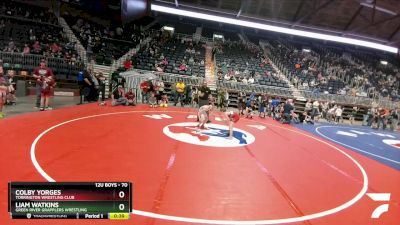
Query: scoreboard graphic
{"points": [[70, 200]]}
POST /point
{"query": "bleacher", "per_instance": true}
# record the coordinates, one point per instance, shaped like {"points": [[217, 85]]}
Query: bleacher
{"points": [[248, 61], [102, 43], [175, 51]]}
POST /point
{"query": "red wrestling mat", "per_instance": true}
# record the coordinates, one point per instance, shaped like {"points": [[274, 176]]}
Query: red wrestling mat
{"points": [[267, 174]]}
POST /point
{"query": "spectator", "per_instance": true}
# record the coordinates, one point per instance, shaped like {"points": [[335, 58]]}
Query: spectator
{"points": [[164, 101], [11, 80], [250, 80], [183, 67], [338, 115], [102, 87], [394, 119], [180, 91], [287, 111], [26, 50], [204, 93], [3, 94], [40, 73], [241, 102], [153, 100], [118, 97], [81, 84], [353, 114], [128, 64], [145, 86], [244, 80], [130, 97], [331, 114], [94, 87], [194, 97], [382, 118], [47, 85]]}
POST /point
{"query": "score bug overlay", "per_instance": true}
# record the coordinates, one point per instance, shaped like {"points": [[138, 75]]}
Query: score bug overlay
{"points": [[70, 200]]}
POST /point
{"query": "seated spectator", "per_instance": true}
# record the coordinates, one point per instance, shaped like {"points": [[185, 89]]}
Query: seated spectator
{"points": [[36, 47], [164, 101], [118, 97], [227, 77], [130, 97], [152, 100], [26, 49], [128, 64], [164, 62], [159, 68], [183, 67], [12, 86], [251, 80], [191, 60], [54, 48]]}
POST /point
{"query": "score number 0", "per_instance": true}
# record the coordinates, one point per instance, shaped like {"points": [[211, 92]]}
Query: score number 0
{"points": [[121, 206]]}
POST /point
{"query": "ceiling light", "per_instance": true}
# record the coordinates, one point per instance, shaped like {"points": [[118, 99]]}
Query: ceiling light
{"points": [[260, 26], [168, 28]]}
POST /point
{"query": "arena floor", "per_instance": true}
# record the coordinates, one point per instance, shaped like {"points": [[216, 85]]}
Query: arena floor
{"points": [[268, 173]]}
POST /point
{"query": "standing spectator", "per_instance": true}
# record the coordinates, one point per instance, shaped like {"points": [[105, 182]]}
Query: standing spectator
{"points": [[47, 85], [338, 114], [222, 99], [353, 115], [81, 84], [195, 97], [382, 117], [308, 107], [3, 94], [331, 114], [204, 93], [180, 91], [287, 111], [102, 87], [394, 119], [315, 111], [87, 85], [241, 102], [39, 73], [93, 88]]}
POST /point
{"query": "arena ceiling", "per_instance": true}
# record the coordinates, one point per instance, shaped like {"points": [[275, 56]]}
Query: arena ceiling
{"points": [[375, 20]]}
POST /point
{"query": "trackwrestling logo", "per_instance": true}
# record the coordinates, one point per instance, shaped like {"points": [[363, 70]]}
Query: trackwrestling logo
{"points": [[214, 136], [393, 143]]}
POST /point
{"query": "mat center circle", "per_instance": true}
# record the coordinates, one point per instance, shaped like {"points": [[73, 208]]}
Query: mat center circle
{"points": [[215, 135]]}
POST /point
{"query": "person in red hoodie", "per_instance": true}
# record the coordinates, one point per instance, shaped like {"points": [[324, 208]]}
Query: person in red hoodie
{"points": [[40, 73], [130, 97], [47, 84], [145, 86], [128, 64]]}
